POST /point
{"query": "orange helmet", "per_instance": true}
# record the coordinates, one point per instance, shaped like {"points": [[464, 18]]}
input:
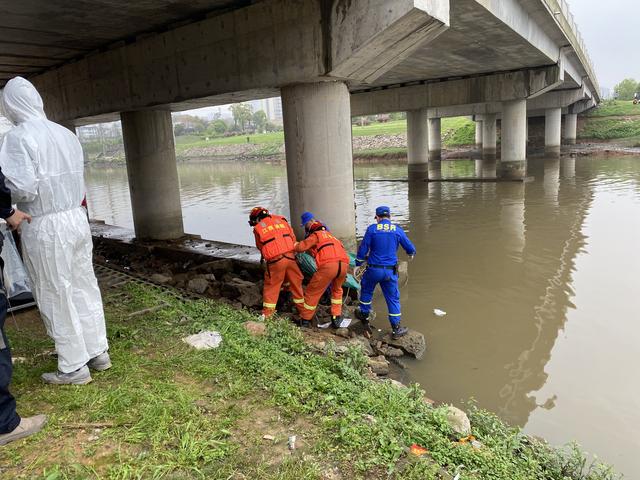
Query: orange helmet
{"points": [[256, 214]]}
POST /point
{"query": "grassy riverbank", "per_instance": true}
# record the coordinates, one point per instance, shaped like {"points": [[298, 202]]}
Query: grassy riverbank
{"points": [[167, 411], [612, 120]]}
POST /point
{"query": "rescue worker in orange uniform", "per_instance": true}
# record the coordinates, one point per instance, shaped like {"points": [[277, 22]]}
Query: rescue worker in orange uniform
{"points": [[333, 262], [275, 240]]}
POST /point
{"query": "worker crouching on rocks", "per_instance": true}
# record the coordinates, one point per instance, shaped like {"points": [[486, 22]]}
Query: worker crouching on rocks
{"points": [[332, 262], [275, 240]]}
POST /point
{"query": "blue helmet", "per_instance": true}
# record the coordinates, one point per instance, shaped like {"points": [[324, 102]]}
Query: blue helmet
{"points": [[383, 211], [305, 218]]}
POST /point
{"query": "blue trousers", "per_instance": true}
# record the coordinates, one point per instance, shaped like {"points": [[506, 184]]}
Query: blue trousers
{"points": [[388, 284], [9, 419]]}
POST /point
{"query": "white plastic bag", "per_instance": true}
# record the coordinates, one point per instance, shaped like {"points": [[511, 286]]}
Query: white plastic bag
{"points": [[15, 276]]}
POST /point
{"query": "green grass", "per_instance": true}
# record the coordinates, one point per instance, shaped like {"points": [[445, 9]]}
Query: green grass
{"points": [[456, 131], [615, 108], [609, 128], [172, 412]]}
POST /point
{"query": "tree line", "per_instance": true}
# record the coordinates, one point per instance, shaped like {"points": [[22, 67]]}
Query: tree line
{"points": [[244, 120], [626, 89]]}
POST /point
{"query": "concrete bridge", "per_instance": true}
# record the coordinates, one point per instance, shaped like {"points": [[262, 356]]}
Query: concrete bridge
{"points": [[328, 59]]}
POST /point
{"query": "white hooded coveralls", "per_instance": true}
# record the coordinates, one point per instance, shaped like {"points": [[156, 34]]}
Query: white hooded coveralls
{"points": [[44, 169]]}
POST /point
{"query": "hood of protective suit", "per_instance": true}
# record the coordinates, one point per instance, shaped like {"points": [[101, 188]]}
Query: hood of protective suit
{"points": [[21, 101]]}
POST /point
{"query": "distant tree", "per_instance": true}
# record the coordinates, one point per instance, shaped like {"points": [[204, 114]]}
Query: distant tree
{"points": [[260, 120], [398, 115], [272, 127], [625, 89], [241, 115], [179, 129], [218, 127]]}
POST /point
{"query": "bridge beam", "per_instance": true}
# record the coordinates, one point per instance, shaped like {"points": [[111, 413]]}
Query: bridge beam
{"points": [[246, 50], [498, 87]]}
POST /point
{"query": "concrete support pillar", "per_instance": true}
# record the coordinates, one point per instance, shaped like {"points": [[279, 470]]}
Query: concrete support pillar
{"points": [[570, 128], [435, 139], [154, 185], [317, 134], [513, 163], [552, 131], [418, 144], [479, 131], [489, 137]]}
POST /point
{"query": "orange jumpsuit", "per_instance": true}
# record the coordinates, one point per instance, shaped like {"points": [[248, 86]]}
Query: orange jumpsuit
{"points": [[333, 262], [275, 239]]}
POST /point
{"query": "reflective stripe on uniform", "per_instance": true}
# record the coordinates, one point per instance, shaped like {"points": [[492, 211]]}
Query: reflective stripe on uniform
{"points": [[286, 284], [269, 305], [365, 303], [298, 300], [395, 314], [336, 301], [309, 307]]}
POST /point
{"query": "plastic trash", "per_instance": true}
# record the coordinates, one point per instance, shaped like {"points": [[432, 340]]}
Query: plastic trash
{"points": [[204, 340], [15, 276], [439, 313]]}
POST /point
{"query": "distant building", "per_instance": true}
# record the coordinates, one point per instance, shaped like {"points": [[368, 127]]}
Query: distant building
{"points": [[99, 131], [272, 107]]}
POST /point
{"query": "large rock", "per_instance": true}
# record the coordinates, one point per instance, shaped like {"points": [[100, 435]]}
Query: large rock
{"points": [[412, 343], [458, 421], [378, 365], [248, 293], [198, 285], [160, 278], [363, 343], [255, 329], [218, 267]]}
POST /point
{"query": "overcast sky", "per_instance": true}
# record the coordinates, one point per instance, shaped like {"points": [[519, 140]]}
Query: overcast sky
{"points": [[611, 30]]}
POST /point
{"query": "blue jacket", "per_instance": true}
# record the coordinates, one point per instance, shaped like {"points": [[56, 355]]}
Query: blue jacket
{"points": [[381, 243]]}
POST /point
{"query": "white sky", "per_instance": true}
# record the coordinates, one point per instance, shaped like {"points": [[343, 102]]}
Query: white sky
{"points": [[611, 30]]}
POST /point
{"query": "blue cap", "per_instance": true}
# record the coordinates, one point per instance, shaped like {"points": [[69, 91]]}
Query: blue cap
{"points": [[382, 211], [305, 217]]}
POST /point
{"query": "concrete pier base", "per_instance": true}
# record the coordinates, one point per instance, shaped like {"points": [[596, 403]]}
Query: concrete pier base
{"points": [[552, 132], [489, 137], [418, 144], [513, 163], [153, 174], [435, 139], [570, 128], [317, 133]]}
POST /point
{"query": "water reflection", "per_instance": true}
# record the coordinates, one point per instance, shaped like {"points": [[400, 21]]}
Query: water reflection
{"points": [[515, 265]]}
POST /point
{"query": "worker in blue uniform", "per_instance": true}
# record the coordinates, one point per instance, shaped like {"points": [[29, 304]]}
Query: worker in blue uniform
{"points": [[379, 249]]}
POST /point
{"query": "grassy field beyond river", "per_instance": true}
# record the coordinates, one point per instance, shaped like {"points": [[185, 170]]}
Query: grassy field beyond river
{"points": [[167, 411]]}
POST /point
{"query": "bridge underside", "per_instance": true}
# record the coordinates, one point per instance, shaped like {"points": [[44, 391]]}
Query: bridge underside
{"points": [[102, 60]]}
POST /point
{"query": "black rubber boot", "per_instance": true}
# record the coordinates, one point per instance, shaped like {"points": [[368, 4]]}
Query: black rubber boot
{"points": [[399, 331], [336, 321]]}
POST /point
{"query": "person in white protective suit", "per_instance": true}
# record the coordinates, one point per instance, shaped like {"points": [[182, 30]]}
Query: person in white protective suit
{"points": [[43, 165]]}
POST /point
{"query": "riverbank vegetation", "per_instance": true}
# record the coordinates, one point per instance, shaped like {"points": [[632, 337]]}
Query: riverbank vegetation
{"points": [[167, 411]]}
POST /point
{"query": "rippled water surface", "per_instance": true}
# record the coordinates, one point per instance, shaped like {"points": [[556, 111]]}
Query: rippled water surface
{"points": [[540, 282]]}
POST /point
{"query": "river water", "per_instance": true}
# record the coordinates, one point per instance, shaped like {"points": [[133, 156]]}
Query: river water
{"points": [[539, 282]]}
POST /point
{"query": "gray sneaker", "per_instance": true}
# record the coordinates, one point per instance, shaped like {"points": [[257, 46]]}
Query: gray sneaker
{"points": [[82, 376], [27, 426], [100, 363]]}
